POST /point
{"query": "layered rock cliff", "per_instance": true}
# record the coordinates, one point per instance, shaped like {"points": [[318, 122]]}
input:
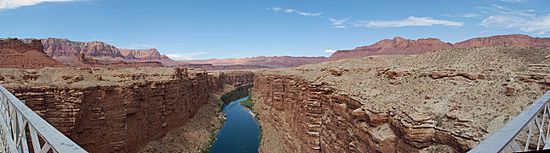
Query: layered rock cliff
{"points": [[444, 101], [16, 53], [116, 110], [401, 46], [394, 46], [66, 51], [143, 54], [55, 47], [505, 40]]}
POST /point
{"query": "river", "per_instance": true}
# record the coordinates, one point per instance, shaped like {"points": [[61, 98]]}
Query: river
{"points": [[240, 132]]}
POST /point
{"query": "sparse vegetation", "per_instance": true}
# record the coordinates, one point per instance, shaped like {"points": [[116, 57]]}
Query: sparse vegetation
{"points": [[248, 103]]}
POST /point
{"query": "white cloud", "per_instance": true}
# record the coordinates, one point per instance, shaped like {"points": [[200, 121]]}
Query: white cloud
{"points": [[467, 15], [294, 11], [500, 7], [410, 21], [186, 56], [470, 15], [11, 4], [330, 51], [523, 22], [338, 23], [513, 1]]}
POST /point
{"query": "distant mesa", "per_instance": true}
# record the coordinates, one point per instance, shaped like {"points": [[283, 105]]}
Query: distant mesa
{"points": [[67, 52], [143, 54], [401, 46], [260, 62]]}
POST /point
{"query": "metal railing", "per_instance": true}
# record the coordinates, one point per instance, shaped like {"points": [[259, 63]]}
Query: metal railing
{"points": [[19, 125], [529, 131]]}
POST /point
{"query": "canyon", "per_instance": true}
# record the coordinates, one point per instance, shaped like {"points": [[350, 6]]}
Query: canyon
{"points": [[443, 101], [118, 109], [406, 96]]}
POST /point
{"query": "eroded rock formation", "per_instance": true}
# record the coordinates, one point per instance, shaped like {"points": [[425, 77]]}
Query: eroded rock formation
{"points": [[120, 110], [444, 101], [143, 54], [66, 50], [395, 46], [15, 53], [401, 46]]}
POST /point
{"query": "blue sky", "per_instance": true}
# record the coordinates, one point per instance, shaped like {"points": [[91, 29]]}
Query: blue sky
{"points": [[202, 29]]}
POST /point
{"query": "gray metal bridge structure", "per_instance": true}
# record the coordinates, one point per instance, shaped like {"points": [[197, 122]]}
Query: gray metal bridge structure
{"points": [[24, 131], [529, 131]]}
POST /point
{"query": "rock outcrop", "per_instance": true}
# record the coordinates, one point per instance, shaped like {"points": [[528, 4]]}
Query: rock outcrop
{"points": [[117, 110], [83, 61], [505, 40], [142, 54], [394, 46], [55, 47], [66, 50], [15, 53], [401, 46], [443, 101]]}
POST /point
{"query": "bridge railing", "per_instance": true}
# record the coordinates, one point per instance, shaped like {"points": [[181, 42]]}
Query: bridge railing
{"points": [[528, 131], [19, 126]]}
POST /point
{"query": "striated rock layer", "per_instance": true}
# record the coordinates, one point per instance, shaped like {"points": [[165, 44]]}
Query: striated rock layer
{"points": [[120, 110], [401, 46], [15, 53], [142, 54], [444, 101], [66, 51]]}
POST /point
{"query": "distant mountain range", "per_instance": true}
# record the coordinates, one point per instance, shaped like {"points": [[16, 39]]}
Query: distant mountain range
{"points": [[403, 46], [262, 61], [69, 52]]}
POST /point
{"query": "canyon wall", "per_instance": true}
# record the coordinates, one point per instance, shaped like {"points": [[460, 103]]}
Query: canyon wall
{"points": [[311, 117], [237, 93], [443, 101], [122, 117]]}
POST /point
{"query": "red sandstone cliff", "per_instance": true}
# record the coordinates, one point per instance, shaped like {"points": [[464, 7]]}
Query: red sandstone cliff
{"points": [[504, 40], [65, 51], [120, 110], [142, 54], [401, 46], [396, 45], [15, 53]]}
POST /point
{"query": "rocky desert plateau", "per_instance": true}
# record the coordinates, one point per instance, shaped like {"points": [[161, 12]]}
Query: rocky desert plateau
{"points": [[65, 90]]}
